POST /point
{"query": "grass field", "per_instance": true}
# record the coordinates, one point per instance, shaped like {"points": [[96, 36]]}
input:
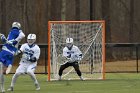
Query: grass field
{"points": [[114, 83]]}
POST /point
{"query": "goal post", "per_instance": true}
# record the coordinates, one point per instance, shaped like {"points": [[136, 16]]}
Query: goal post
{"points": [[89, 36]]}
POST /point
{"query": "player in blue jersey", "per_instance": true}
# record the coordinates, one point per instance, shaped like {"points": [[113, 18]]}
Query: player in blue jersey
{"points": [[9, 49]]}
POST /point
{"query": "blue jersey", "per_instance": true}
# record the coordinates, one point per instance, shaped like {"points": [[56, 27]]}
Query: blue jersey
{"points": [[15, 35], [8, 50]]}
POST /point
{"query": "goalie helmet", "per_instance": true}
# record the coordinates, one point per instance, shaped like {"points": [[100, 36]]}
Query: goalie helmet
{"points": [[69, 40], [31, 39], [69, 43], [16, 24]]}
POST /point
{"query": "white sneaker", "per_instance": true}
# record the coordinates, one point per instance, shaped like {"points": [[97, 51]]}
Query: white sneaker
{"points": [[3, 91], [59, 78], [81, 78], [37, 87], [10, 89]]}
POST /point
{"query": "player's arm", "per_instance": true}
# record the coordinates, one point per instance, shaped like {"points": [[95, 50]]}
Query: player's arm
{"points": [[20, 51], [79, 53], [20, 37], [66, 54]]}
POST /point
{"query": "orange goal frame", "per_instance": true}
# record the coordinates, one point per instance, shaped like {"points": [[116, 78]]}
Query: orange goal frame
{"points": [[49, 41]]}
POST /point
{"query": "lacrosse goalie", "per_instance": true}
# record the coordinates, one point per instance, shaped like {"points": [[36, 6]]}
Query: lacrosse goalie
{"points": [[9, 49], [30, 54], [73, 56]]}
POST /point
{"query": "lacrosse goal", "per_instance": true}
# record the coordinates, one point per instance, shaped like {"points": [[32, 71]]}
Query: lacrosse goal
{"points": [[89, 36]]}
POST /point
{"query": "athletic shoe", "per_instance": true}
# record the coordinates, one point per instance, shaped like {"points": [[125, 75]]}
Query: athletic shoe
{"points": [[81, 78], [3, 91], [37, 86], [10, 89], [59, 78]]}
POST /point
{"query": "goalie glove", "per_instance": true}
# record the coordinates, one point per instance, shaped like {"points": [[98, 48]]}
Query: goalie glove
{"points": [[8, 70], [76, 58]]}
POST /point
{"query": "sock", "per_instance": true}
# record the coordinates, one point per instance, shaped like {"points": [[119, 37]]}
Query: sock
{"points": [[1, 77], [2, 82]]}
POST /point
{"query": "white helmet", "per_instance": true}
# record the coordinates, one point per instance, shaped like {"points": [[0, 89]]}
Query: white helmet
{"points": [[69, 43], [31, 39], [69, 40], [16, 24]]}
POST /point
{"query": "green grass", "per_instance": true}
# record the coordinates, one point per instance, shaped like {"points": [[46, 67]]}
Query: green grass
{"points": [[114, 83]]}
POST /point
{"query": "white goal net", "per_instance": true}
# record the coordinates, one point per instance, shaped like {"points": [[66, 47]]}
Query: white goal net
{"points": [[89, 37]]}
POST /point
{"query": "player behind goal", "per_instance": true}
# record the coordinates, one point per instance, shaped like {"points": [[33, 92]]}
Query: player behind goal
{"points": [[73, 55], [30, 54]]}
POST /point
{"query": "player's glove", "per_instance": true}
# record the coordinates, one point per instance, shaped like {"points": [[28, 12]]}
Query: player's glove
{"points": [[18, 52], [32, 59], [8, 70], [28, 58], [3, 38], [25, 56], [1, 34]]}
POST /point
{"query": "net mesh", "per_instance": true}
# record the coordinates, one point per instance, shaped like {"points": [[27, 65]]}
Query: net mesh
{"points": [[88, 37]]}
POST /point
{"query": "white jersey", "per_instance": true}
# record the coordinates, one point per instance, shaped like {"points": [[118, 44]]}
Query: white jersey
{"points": [[74, 51], [28, 51]]}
